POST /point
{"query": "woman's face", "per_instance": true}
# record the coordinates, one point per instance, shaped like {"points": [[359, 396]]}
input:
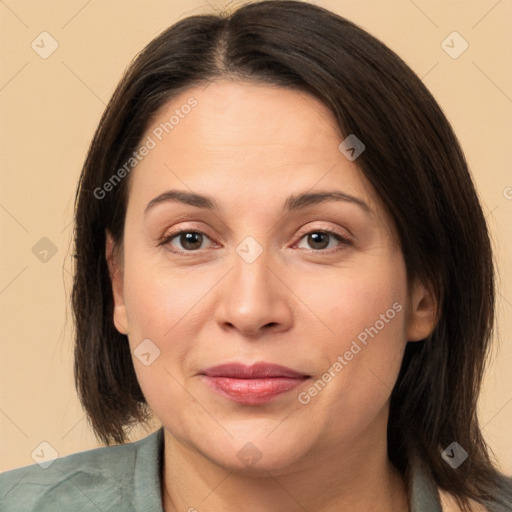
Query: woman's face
{"points": [[290, 260]]}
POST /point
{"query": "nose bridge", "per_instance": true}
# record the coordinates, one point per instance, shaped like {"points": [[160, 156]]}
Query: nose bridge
{"points": [[252, 298], [251, 271]]}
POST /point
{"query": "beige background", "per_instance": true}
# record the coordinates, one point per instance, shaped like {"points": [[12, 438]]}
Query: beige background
{"points": [[50, 108]]}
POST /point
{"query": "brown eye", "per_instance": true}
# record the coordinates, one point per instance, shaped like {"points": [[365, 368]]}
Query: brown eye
{"points": [[185, 241], [191, 241], [318, 240], [323, 239]]}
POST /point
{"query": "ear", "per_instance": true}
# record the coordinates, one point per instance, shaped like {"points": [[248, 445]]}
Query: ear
{"points": [[422, 313], [116, 279]]}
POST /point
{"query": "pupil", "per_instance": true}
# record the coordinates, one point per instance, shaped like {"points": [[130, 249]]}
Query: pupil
{"points": [[189, 239], [319, 239]]}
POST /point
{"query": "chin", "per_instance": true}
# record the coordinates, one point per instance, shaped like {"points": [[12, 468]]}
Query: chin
{"points": [[261, 453]]}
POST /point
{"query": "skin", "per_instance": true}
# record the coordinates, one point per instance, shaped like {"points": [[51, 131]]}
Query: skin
{"points": [[249, 146]]}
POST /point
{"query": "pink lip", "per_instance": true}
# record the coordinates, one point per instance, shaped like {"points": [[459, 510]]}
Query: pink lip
{"points": [[256, 384]]}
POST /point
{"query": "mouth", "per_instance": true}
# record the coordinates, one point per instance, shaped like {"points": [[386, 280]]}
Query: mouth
{"points": [[252, 385]]}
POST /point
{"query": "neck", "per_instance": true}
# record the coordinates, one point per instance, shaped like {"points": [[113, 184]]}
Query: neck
{"points": [[358, 479]]}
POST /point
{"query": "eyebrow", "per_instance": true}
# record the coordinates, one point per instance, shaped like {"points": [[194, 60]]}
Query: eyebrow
{"points": [[292, 203]]}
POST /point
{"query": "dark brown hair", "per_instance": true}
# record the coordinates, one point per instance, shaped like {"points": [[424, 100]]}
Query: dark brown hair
{"points": [[412, 159]]}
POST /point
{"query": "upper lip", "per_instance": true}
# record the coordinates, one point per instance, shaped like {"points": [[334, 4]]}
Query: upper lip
{"points": [[255, 371]]}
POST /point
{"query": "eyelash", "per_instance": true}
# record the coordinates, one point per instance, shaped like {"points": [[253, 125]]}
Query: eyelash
{"points": [[342, 239]]}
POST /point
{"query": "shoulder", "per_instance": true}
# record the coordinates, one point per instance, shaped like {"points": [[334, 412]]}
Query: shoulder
{"points": [[98, 479], [449, 504], [428, 497]]}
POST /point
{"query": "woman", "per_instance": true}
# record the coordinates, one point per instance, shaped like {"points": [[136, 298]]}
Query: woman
{"points": [[281, 255]]}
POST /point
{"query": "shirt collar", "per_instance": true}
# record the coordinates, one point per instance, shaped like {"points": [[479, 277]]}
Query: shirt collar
{"points": [[423, 493]]}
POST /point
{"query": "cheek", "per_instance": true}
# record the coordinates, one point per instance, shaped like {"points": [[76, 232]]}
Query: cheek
{"points": [[345, 302], [164, 324], [169, 308], [361, 354], [159, 299]]}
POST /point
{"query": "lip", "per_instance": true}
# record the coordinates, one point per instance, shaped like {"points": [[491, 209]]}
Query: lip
{"points": [[255, 371], [256, 384]]}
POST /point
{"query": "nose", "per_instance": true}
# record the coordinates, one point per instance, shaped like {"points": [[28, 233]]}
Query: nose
{"points": [[253, 299]]}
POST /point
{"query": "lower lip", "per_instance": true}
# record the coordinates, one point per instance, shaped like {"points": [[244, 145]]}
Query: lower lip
{"points": [[253, 391]]}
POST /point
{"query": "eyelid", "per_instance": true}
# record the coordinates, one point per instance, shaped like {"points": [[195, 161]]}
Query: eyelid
{"points": [[324, 229], [168, 237], [343, 239]]}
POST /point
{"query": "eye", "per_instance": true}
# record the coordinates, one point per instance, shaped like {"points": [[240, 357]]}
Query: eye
{"points": [[189, 240], [319, 240], [192, 240]]}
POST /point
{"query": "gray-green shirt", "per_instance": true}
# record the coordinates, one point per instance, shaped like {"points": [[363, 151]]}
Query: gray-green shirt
{"points": [[126, 478]]}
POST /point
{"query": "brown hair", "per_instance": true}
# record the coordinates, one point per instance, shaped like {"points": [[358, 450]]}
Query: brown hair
{"points": [[412, 159]]}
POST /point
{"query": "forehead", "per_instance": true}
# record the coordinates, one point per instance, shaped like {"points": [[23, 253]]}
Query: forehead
{"points": [[263, 142]]}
